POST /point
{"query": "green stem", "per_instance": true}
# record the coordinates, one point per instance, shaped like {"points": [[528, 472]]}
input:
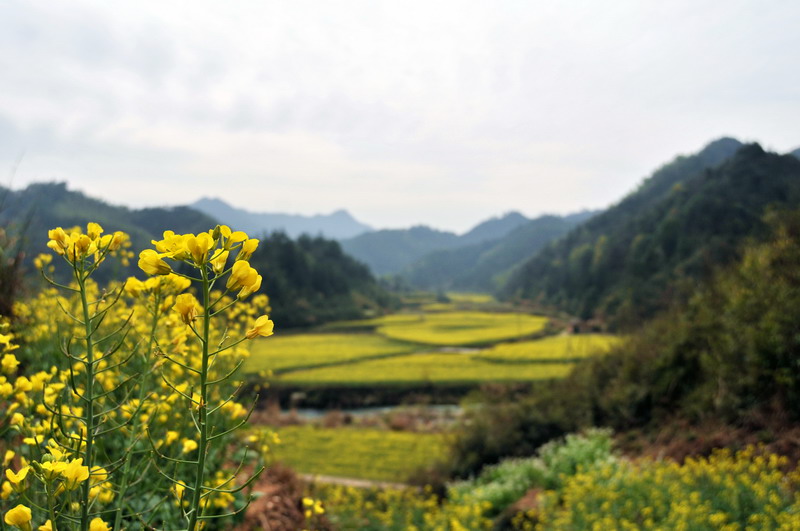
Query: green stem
{"points": [[50, 505], [194, 510], [123, 488], [89, 394]]}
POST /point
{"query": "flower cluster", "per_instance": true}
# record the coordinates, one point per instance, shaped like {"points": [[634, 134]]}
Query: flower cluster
{"points": [[137, 400], [727, 491]]}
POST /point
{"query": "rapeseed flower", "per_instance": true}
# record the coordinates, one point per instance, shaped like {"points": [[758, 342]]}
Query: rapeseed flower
{"points": [[19, 516], [262, 327], [151, 263]]}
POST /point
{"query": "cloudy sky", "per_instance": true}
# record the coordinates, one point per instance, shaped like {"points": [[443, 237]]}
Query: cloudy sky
{"points": [[436, 112]]}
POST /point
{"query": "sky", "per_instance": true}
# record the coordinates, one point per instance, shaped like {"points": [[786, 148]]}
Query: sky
{"points": [[442, 113]]}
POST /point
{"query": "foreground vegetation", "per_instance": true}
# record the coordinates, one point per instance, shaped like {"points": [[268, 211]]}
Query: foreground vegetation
{"points": [[582, 483], [728, 355], [119, 402]]}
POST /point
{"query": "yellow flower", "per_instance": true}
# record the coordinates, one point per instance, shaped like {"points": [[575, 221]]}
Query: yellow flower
{"points": [[263, 327], [134, 287], [93, 230], [47, 526], [242, 275], [18, 480], [99, 475], [9, 363], [247, 249], [58, 240], [53, 469], [42, 260], [171, 437], [8, 457], [75, 473], [151, 263], [219, 261], [199, 246], [178, 490], [6, 490], [97, 524], [250, 289], [17, 419], [189, 446], [19, 516], [186, 306]]}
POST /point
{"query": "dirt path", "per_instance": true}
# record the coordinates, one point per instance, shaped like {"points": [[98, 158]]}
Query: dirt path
{"points": [[352, 482]]}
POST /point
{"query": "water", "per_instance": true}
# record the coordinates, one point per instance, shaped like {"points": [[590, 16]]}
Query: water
{"points": [[441, 410]]}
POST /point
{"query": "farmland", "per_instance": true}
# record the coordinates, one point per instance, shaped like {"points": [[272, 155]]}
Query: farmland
{"points": [[464, 328], [555, 348], [313, 350], [427, 368], [439, 343], [357, 453]]}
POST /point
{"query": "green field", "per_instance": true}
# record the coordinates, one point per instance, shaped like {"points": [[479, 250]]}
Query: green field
{"points": [[279, 353], [439, 368], [357, 453], [402, 349], [462, 328], [553, 348]]}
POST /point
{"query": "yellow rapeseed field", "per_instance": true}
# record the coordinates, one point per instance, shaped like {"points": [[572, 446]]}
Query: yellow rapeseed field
{"points": [[436, 368], [554, 348], [311, 350], [462, 328]]}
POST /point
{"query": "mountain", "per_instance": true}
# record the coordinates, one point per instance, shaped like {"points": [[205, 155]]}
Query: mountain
{"points": [[795, 153], [484, 266], [43, 206], [389, 251], [689, 218], [309, 281], [493, 228], [337, 225]]}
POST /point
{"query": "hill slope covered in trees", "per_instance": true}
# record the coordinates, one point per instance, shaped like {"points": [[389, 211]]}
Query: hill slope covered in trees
{"points": [[690, 217]]}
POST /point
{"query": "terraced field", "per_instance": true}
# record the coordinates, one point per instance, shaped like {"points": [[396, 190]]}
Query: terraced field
{"points": [[357, 453], [435, 347], [438, 368], [554, 348], [463, 328], [280, 353]]}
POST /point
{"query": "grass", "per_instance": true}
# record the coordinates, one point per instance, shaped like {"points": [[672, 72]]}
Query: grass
{"points": [[553, 348], [281, 353], [438, 368], [357, 453], [462, 328]]}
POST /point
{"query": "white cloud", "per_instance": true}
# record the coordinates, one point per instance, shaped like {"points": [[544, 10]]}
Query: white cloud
{"points": [[402, 112]]}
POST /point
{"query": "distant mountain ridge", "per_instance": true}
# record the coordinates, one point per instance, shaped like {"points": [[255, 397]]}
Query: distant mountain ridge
{"points": [[486, 265], [389, 251], [309, 280], [337, 225]]}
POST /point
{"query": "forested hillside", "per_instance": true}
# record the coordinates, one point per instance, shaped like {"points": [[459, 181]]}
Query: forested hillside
{"points": [[311, 281], [689, 218], [485, 266]]}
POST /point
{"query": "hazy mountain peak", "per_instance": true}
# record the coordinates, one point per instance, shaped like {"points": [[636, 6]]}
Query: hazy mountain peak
{"points": [[338, 224]]}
